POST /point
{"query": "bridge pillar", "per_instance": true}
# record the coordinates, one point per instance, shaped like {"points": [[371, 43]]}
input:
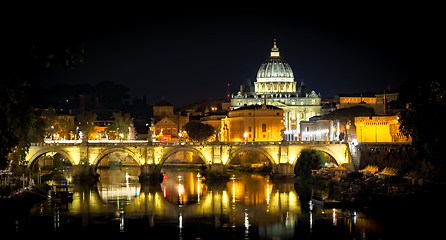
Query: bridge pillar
{"points": [[150, 172], [84, 173], [283, 171], [217, 168]]}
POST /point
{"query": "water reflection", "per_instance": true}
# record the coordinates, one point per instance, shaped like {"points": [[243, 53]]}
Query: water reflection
{"points": [[254, 203]]}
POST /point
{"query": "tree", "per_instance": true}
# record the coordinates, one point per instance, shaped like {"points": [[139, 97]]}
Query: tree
{"points": [[423, 119], [199, 132], [120, 126], [19, 126], [309, 159], [86, 123], [30, 45], [56, 125]]}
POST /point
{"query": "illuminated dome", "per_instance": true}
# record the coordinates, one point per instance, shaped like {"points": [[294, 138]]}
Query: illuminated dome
{"points": [[275, 69]]}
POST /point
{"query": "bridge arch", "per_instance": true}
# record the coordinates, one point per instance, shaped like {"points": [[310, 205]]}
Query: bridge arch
{"points": [[326, 150], [42, 151], [176, 149], [260, 150], [104, 153]]}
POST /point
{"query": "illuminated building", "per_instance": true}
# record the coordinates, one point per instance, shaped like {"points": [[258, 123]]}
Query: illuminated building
{"points": [[166, 123], [275, 81], [379, 129], [320, 129], [382, 103], [252, 123], [214, 119]]}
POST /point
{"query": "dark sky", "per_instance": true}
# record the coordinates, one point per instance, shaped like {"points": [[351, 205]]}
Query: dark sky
{"points": [[187, 57]]}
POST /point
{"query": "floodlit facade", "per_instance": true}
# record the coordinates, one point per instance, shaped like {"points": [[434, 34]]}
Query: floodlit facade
{"points": [[252, 123], [275, 82], [167, 125], [379, 129]]}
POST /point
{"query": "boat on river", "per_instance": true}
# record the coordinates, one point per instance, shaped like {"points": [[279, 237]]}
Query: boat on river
{"points": [[60, 193]]}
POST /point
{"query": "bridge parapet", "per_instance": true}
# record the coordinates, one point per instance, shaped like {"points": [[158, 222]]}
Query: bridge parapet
{"points": [[91, 152]]}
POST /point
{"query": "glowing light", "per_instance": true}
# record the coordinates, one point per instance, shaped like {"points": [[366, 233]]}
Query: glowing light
{"points": [[316, 132], [180, 189], [334, 217], [112, 141], [233, 191]]}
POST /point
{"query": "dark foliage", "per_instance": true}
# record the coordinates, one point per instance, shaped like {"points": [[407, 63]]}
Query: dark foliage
{"points": [[309, 159], [349, 114], [423, 119], [198, 131]]}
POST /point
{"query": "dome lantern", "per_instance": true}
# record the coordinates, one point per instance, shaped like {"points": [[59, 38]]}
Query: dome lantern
{"points": [[275, 50]]}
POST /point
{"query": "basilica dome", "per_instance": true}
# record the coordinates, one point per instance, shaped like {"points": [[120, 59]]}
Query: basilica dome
{"points": [[275, 69]]}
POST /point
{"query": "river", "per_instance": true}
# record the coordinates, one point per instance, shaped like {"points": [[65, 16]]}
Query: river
{"points": [[249, 206]]}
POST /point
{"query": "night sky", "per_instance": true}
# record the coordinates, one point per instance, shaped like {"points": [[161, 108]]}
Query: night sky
{"points": [[187, 57]]}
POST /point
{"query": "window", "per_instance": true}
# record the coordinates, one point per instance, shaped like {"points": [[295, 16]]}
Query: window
{"points": [[174, 130], [249, 114], [165, 121], [277, 113], [168, 131], [263, 127], [249, 129]]}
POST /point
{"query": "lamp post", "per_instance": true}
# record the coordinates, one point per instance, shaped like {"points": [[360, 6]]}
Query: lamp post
{"points": [[246, 135]]}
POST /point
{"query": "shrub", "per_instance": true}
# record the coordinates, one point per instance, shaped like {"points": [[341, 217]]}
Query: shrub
{"points": [[309, 159]]}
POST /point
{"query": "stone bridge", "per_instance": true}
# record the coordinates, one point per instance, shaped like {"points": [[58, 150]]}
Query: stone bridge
{"points": [[216, 155]]}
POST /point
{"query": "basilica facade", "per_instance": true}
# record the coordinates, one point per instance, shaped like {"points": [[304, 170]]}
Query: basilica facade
{"points": [[275, 85]]}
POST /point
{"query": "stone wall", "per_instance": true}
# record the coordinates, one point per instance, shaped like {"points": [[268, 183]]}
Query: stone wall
{"points": [[396, 155]]}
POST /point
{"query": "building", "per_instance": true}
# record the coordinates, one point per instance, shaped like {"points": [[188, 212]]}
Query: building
{"points": [[167, 125], [253, 123], [320, 129], [214, 119], [383, 103], [379, 129], [275, 82]]}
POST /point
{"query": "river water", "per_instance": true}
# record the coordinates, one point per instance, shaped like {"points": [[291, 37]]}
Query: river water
{"points": [[249, 206]]}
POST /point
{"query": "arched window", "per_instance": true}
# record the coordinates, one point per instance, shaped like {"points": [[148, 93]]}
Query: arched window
{"points": [[263, 127]]}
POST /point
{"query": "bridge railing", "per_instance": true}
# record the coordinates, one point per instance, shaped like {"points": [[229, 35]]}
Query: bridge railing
{"points": [[172, 143], [55, 144]]}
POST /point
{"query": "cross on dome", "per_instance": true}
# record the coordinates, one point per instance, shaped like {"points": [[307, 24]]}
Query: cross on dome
{"points": [[275, 50]]}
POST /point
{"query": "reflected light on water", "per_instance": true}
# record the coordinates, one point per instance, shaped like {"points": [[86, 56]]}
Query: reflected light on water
{"points": [[334, 217], [248, 202]]}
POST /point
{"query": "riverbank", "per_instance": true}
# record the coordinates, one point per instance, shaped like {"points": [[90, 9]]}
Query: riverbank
{"points": [[20, 204], [369, 192]]}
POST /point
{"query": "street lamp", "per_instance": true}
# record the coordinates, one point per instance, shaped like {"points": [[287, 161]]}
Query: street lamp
{"points": [[246, 135]]}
